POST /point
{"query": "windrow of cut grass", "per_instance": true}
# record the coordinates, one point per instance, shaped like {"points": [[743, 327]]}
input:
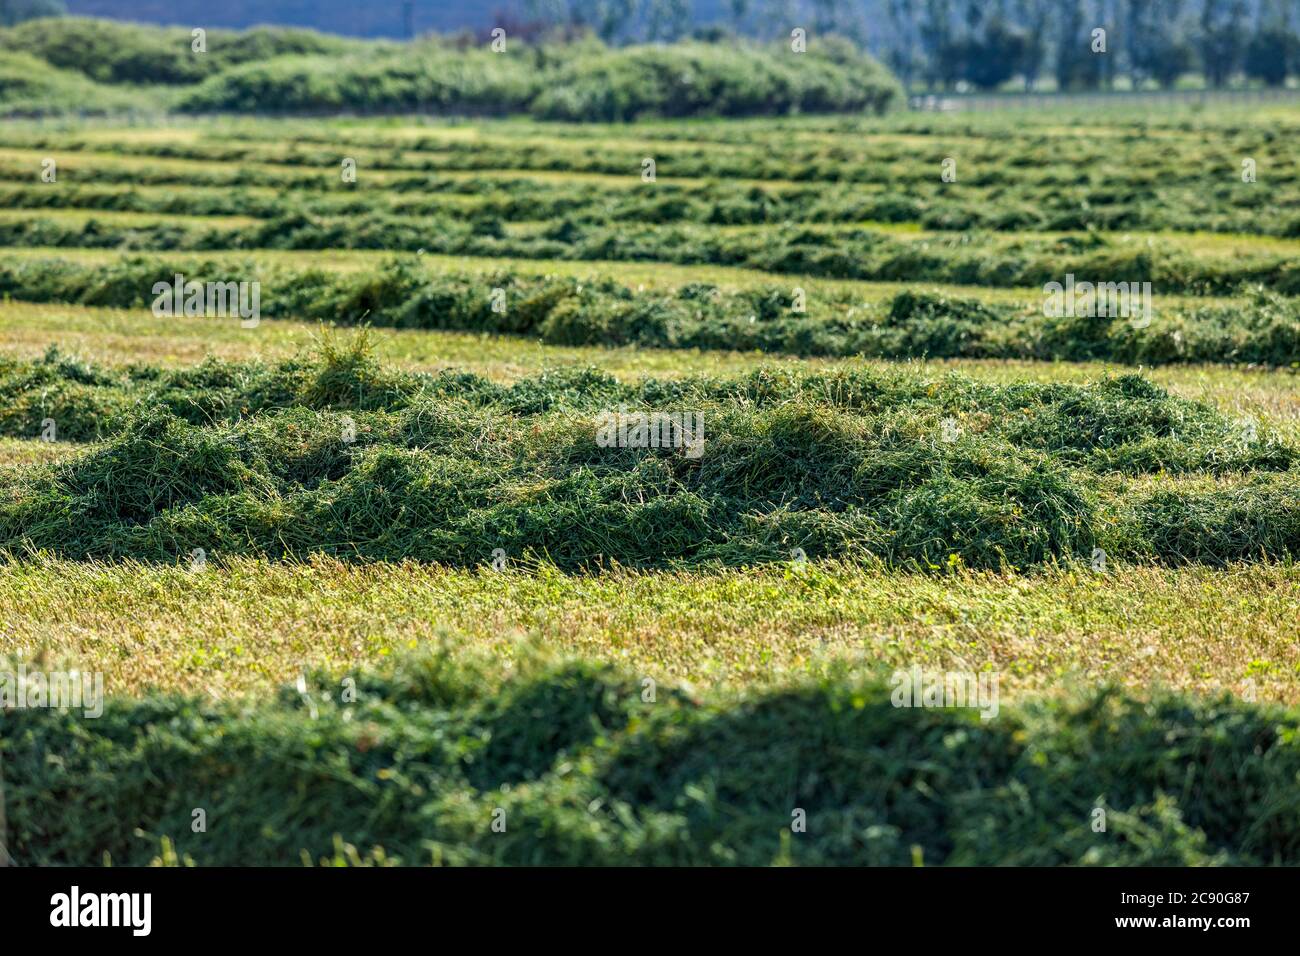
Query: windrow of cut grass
{"points": [[341, 457], [1012, 155], [510, 197], [1260, 328], [115, 338], [427, 759], [1169, 263], [851, 253]]}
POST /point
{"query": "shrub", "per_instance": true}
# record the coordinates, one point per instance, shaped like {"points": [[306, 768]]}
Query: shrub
{"points": [[689, 79]]}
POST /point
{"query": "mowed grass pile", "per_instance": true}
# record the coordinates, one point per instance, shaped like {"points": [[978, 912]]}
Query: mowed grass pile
{"points": [[582, 768], [335, 454], [1261, 327]]}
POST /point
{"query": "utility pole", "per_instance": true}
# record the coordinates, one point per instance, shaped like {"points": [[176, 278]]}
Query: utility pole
{"points": [[408, 18]]}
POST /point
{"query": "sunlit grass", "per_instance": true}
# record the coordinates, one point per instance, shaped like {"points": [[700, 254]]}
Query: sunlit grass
{"points": [[249, 625]]}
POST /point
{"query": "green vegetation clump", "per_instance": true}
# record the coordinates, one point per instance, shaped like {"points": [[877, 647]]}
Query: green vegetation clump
{"points": [[434, 754], [342, 457], [433, 78], [578, 84]]}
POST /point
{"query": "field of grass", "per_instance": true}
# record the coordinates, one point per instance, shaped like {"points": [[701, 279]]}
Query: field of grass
{"points": [[913, 468]]}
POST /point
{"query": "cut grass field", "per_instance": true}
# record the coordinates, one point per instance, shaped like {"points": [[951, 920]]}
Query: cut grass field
{"points": [[1153, 684], [642, 276]]}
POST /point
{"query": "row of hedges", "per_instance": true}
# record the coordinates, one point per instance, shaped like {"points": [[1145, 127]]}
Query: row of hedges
{"points": [[113, 52], [686, 79]]}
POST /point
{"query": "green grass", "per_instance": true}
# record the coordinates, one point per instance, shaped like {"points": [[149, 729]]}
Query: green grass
{"points": [[32, 87], [17, 451], [641, 277], [1108, 173], [788, 250], [135, 336], [239, 627]]}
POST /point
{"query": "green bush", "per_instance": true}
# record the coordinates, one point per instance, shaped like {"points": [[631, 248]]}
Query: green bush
{"points": [[580, 83], [425, 79], [284, 70], [691, 79]]}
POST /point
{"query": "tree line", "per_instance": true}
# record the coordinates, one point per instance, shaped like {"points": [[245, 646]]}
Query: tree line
{"points": [[951, 44], [985, 44]]}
